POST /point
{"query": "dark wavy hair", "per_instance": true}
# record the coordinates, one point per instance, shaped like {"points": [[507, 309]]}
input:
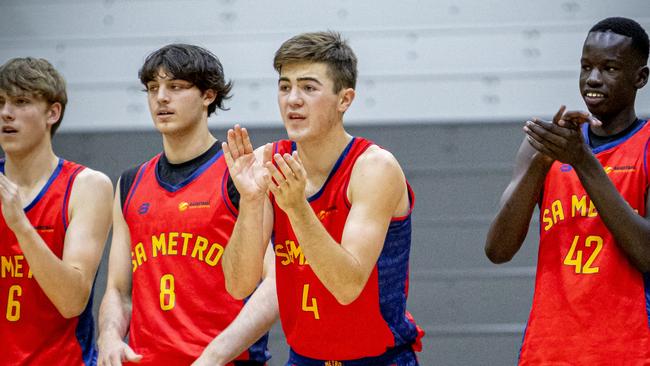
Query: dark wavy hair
{"points": [[190, 63]]}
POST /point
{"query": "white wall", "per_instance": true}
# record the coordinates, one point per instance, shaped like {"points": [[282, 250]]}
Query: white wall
{"points": [[419, 61]]}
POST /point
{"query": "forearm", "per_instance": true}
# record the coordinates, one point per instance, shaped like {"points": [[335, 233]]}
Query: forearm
{"points": [[64, 285], [114, 315], [255, 319], [630, 230], [244, 255], [338, 270], [510, 226]]}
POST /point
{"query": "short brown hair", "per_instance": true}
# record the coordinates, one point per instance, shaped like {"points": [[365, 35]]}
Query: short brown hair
{"points": [[326, 47], [36, 77]]}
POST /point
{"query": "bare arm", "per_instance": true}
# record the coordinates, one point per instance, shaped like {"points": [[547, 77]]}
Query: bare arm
{"points": [[377, 192], [66, 281], [244, 255], [115, 310], [510, 226], [255, 319], [631, 231]]}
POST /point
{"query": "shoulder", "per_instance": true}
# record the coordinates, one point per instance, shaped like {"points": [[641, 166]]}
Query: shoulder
{"points": [[376, 170], [378, 162], [92, 180]]}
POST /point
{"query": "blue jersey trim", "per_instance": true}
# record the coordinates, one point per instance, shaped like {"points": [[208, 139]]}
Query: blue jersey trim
{"points": [[85, 332], [224, 194], [646, 285], [645, 161], [45, 187], [609, 145], [334, 169], [64, 214], [173, 188], [135, 186], [397, 356], [392, 273]]}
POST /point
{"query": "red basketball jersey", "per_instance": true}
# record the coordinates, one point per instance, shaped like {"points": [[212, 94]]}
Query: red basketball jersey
{"points": [[178, 235], [590, 303], [32, 330], [315, 323]]}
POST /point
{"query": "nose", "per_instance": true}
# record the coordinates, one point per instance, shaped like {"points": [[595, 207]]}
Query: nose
{"points": [[162, 96], [6, 112], [594, 78], [295, 98]]}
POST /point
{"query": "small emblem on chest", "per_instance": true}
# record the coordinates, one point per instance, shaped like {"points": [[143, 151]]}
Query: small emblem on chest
{"points": [[184, 206]]}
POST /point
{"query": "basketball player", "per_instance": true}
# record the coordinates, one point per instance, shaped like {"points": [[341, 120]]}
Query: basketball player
{"points": [[340, 211], [591, 184], [173, 216], [55, 221]]}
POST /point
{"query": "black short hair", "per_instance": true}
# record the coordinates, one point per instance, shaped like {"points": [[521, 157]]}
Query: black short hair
{"points": [[190, 63], [629, 28]]}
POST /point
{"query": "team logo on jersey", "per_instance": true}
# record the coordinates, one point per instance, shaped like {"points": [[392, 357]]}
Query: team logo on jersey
{"points": [[619, 169], [565, 168], [323, 214], [44, 228], [144, 208], [183, 206]]}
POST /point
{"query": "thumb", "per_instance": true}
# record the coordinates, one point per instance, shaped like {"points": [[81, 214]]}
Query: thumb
{"points": [[130, 355]]}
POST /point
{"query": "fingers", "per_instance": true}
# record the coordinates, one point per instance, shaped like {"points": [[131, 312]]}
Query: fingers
{"points": [[580, 117], [230, 162], [236, 141], [248, 146], [558, 115], [131, 356], [268, 153], [239, 140]]}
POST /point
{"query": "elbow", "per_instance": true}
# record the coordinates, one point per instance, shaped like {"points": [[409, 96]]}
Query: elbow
{"points": [[69, 311], [496, 256], [237, 290], [348, 295]]}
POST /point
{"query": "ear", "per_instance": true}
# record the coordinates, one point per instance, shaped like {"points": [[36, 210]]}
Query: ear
{"points": [[209, 96], [642, 77], [54, 113], [346, 96]]}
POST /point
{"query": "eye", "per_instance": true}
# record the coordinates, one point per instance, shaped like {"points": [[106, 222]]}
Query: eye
{"points": [[309, 88], [152, 88], [284, 87], [586, 67], [610, 69], [22, 101]]}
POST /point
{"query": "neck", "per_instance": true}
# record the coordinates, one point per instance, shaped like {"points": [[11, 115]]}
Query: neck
{"points": [[187, 145], [615, 123], [318, 157], [31, 168]]}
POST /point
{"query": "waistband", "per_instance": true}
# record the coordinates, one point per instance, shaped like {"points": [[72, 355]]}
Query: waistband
{"points": [[387, 358]]}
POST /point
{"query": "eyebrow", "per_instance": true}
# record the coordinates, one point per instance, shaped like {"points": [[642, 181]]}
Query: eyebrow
{"points": [[304, 78]]}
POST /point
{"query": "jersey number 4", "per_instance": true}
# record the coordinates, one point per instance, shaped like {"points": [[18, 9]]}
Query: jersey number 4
{"points": [[574, 256]]}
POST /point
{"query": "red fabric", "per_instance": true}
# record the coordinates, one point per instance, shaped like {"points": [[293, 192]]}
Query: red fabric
{"points": [[194, 223], [341, 332], [579, 317], [31, 329]]}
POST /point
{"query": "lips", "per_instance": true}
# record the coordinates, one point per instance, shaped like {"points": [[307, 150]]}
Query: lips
{"points": [[296, 116], [593, 97], [9, 130]]}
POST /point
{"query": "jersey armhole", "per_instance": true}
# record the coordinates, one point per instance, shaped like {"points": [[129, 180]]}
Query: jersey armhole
{"points": [[229, 194], [66, 197], [128, 183]]}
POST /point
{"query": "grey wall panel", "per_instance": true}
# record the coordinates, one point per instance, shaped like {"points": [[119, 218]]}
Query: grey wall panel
{"points": [[421, 61]]}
